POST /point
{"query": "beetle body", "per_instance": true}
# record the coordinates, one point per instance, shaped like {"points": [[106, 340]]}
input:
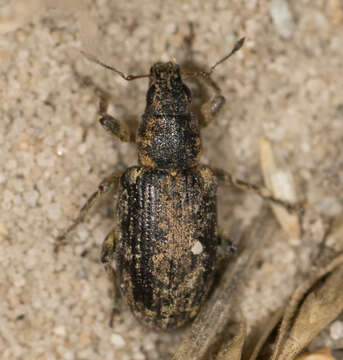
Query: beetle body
{"points": [[167, 242], [166, 214], [164, 241]]}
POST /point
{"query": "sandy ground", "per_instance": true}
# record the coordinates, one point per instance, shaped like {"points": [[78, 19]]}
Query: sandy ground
{"points": [[285, 85]]}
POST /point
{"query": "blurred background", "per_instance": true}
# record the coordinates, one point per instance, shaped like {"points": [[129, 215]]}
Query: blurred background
{"points": [[283, 85]]}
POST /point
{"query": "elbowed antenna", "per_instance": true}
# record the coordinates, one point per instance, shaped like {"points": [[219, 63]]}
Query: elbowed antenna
{"points": [[130, 77], [237, 46], [97, 61]]}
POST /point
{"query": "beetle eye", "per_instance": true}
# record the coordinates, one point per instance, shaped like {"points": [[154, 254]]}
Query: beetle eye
{"points": [[188, 93], [150, 94]]}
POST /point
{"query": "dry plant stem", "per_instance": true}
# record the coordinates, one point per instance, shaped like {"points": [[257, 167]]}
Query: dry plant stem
{"points": [[296, 299], [320, 307], [261, 335], [232, 350], [214, 315], [320, 354]]}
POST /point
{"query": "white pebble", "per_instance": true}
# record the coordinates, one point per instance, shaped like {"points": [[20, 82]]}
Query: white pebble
{"points": [[336, 330], [118, 341], [53, 211], [60, 331], [282, 18]]}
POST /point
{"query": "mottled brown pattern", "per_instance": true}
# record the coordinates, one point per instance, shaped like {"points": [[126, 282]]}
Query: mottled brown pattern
{"points": [[169, 135], [165, 237], [161, 218]]}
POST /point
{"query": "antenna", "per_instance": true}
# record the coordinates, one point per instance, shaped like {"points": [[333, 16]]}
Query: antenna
{"points": [[97, 61], [237, 46]]}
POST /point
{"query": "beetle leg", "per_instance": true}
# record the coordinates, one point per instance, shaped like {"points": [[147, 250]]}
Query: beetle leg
{"points": [[109, 183], [226, 249], [225, 178], [108, 249], [115, 127], [225, 241], [212, 107], [107, 257]]}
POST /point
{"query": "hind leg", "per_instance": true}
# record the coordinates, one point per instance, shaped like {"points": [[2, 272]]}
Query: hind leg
{"points": [[226, 242], [225, 178], [107, 258], [227, 247]]}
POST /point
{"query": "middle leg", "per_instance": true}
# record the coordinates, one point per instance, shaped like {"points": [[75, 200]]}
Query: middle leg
{"points": [[109, 183], [212, 107]]}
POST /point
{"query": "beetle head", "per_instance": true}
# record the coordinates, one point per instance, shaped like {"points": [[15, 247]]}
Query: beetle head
{"points": [[167, 93]]}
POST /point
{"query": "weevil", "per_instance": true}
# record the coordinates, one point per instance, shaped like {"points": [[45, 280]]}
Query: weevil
{"points": [[164, 239]]}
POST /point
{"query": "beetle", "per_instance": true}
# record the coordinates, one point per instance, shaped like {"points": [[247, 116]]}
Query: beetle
{"points": [[164, 240]]}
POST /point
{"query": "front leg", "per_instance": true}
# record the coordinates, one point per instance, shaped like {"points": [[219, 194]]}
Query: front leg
{"points": [[211, 108], [116, 128], [225, 178]]}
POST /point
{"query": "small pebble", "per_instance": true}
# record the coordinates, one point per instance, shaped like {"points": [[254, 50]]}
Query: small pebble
{"points": [[282, 18], [118, 341], [53, 211], [60, 331], [336, 330]]}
